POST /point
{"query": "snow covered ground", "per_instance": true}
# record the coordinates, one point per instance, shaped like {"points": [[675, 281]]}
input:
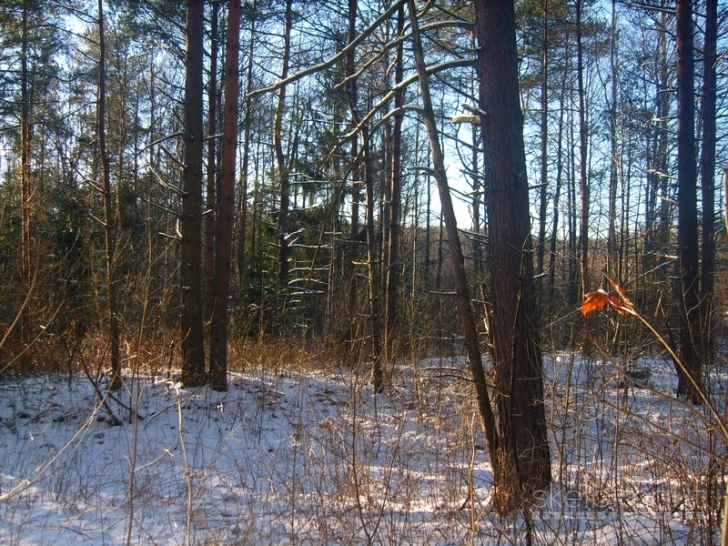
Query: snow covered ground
{"points": [[295, 456]]}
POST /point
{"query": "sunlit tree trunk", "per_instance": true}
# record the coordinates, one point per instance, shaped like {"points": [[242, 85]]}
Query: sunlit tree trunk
{"points": [[392, 264], [193, 365], [226, 208], [372, 259], [523, 457]]}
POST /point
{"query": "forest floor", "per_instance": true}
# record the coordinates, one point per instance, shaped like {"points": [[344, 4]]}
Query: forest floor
{"points": [[310, 456]]}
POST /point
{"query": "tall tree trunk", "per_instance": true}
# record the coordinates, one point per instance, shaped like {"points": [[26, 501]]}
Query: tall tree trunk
{"points": [[572, 275], [193, 365], [109, 221], [247, 124], [557, 197], [543, 202], [211, 183], [657, 213], [352, 95], [392, 265], [612, 262], [523, 448], [27, 239], [707, 179], [372, 259], [465, 312], [282, 167], [226, 208], [583, 158], [687, 231]]}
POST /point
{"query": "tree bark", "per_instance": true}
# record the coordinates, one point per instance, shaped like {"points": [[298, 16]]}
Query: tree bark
{"points": [[211, 182], [393, 267], [372, 259], [687, 231], [226, 208], [523, 449], [707, 179], [543, 201], [193, 365]]}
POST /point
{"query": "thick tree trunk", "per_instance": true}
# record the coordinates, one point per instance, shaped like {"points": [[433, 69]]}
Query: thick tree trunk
{"points": [[707, 179], [687, 231], [226, 208], [193, 365], [523, 449]]}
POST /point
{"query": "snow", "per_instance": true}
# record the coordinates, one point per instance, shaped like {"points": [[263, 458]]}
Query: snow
{"points": [[313, 457]]}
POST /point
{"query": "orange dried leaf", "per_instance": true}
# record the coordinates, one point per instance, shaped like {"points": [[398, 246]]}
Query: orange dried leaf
{"points": [[596, 300]]}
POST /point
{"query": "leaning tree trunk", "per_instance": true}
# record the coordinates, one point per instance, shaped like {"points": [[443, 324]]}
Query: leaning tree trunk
{"points": [[465, 311], [523, 448]]}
